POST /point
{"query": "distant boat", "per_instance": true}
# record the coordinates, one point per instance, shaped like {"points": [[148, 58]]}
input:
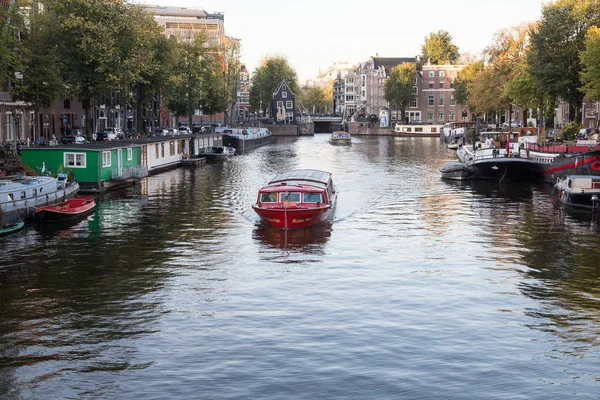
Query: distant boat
{"points": [[11, 228], [244, 139], [418, 130], [66, 211], [580, 191], [296, 199], [340, 137], [217, 152]]}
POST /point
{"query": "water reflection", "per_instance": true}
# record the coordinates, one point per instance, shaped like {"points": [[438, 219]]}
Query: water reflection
{"points": [[309, 240]]}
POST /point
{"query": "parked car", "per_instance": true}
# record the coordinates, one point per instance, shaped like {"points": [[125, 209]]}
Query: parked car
{"points": [[105, 136], [73, 136], [584, 133], [172, 131], [117, 132], [160, 132], [131, 134], [513, 124], [184, 130]]}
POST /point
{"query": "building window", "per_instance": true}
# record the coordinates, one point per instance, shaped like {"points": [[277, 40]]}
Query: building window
{"points": [[429, 115], [413, 102], [452, 85], [129, 154], [429, 100], [431, 74], [451, 116], [284, 95], [441, 85], [156, 151], [440, 116], [289, 105], [442, 74], [105, 159], [415, 90], [279, 104], [441, 100], [430, 85], [74, 160], [452, 100]]}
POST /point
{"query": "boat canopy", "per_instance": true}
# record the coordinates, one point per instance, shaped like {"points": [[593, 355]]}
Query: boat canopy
{"points": [[302, 176]]}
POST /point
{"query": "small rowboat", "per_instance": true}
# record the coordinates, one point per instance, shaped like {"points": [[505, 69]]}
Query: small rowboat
{"points": [[12, 228], [65, 211]]}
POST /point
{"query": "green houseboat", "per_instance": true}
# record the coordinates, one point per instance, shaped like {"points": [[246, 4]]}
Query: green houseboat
{"points": [[96, 166]]}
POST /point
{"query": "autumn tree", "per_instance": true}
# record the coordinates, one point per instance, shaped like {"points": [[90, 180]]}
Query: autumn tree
{"points": [[265, 80], [229, 53], [439, 49], [398, 88], [590, 60], [556, 44], [316, 99]]}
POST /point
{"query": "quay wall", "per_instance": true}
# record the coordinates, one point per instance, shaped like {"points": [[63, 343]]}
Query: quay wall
{"points": [[291, 130], [363, 128]]}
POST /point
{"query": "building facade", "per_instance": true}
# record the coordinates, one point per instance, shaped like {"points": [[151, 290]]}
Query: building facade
{"points": [[283, 104]]}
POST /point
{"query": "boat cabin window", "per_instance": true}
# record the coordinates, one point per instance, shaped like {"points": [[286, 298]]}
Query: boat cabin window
{"points": [[569, 183], [268, 197], [23, 195], [11, 197], [312, 198], [291, 197]]}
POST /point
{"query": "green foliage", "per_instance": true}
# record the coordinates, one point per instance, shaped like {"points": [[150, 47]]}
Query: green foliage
{"points": [[570, 130], [11, 23], [267, 78], [590, 61], [439, 49], [315, 99], [398, 87], [464, 81]]}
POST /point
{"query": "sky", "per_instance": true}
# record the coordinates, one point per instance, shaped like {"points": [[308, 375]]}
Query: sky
{"points": [[313, 34]]}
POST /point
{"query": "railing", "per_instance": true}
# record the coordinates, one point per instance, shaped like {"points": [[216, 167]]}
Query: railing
{"points": [[136, 172]]}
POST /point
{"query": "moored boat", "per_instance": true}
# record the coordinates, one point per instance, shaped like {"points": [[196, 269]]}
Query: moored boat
{"points": [[11, 228], [296, 199], [340, 137], [455, 170], [244, 139], [554, 162], [418, 130], [580, 191], [20, 197], [213, 153], [66, 211]]}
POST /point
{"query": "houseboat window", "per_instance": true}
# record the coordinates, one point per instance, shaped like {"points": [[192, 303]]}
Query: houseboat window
{"points": [[569, 183], [106, 159], [312, 197], [156, 151], [23, 195], [595, 185], [74, 160], [268, 197], [171, 148], [291, 197], [408, 129], [129, 154], [419, 129], [11, 197], [433, 130], [162, 150]]}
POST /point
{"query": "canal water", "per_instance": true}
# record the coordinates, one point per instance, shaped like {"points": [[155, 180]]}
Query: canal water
{"points": [[418, 289]]}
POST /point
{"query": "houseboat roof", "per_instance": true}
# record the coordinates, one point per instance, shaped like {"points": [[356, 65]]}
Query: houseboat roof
{"points": [[302, 176]]}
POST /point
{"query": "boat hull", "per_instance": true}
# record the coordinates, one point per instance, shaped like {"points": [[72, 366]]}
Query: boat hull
{"points": [[340, 141], [292, 218], [12, 228], [69, 210], [564, 164], [242, 145], [504, 169]]}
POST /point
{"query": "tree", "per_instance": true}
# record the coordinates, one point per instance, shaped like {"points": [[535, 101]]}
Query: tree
{"points": [[463, 83], [41, 82], [267, 78], [439, 49], [398, 88], [11, 24], [590, 60], [315, 99], [556, 44], [230, 73], [187, 89]]}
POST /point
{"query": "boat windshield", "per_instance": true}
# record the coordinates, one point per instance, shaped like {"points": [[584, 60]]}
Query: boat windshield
{"points": [[312, 197], [268, 197], [291, 197]]}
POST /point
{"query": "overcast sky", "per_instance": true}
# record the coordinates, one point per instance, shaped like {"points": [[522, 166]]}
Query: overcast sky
{"points": [[312, 34]]}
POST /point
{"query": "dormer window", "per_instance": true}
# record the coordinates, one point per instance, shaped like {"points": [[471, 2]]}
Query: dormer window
{"points": [[284, 95]]}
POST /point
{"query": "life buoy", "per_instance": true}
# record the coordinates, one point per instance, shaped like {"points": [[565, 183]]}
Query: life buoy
{"points": [[595, 165]]}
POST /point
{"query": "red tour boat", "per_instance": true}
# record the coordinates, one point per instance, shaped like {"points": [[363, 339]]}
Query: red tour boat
{"points": [[296, 199], [65, 211]]}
